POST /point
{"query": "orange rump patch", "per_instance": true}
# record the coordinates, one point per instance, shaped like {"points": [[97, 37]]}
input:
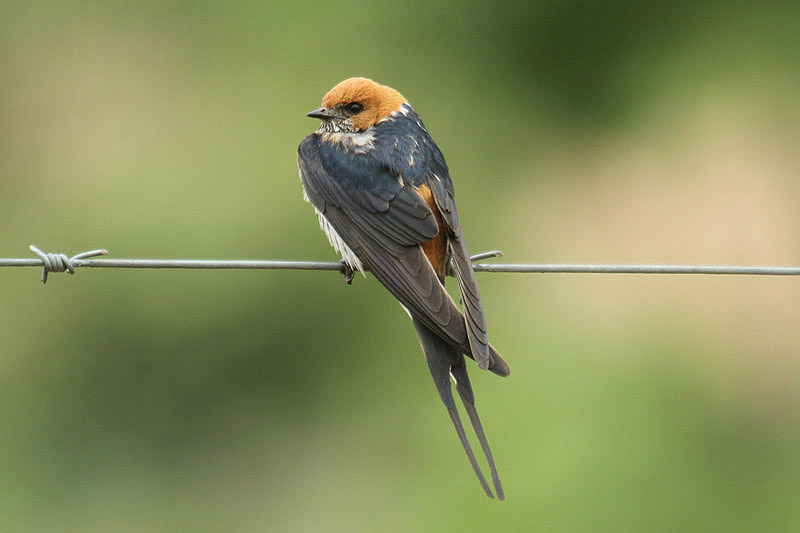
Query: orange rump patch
{"points": [[435, 249]]}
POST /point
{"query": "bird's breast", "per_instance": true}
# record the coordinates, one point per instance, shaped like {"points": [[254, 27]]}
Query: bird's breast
{"points": [[360, 142]]}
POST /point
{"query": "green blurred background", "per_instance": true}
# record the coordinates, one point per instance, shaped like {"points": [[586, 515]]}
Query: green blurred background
{"points": [[576, 131]]}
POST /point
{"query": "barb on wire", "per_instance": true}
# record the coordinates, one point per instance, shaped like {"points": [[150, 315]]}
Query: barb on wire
{"points": [[61, 263], [451, 266], [486, 255]]}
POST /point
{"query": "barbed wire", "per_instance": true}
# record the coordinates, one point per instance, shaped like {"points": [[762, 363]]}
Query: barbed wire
{"points": [[62, 263]]}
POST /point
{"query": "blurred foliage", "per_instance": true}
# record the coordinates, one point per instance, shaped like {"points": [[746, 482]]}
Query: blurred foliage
{"points": [[268, 401]]}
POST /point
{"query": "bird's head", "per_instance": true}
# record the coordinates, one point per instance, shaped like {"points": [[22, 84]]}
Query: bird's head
{"points": [[356, 104]]}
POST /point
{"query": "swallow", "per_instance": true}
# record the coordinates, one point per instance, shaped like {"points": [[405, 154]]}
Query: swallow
{"points": [[382, 192]]}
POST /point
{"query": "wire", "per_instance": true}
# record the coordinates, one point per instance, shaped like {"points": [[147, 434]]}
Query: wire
{"points": [[642, 269], [60, 263]]}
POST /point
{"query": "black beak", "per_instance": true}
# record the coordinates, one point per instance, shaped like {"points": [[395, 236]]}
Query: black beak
{"points": [[320, 113]]}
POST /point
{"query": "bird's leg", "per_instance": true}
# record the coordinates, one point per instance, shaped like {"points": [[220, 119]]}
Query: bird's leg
{"points": [[450, 270], [347, 271]]}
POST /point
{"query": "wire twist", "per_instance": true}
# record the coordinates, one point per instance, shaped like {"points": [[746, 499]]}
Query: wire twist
{"points": [[60, 262]]}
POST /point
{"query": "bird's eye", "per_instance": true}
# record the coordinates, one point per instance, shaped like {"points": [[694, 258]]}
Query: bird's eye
{"points": [[355, 108]]}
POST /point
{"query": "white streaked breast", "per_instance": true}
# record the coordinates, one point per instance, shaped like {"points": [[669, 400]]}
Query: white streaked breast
{"points": [[360, 142]]}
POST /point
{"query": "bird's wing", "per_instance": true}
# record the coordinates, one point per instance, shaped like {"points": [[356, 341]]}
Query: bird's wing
{"points": [[374, 199], [442, 191], [382, 219]]}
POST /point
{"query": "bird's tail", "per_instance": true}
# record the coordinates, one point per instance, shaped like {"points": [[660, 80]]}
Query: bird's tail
{"points": [[443, 361]]}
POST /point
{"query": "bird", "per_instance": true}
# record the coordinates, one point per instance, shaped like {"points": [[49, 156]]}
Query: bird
{"points": [[383, 195]]}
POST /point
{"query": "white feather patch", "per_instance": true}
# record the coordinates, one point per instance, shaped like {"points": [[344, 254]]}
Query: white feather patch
{"points": [[338, 244], [359, 142]]}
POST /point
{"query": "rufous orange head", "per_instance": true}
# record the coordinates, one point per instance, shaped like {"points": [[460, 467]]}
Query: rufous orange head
{"points": [[357, 104]]}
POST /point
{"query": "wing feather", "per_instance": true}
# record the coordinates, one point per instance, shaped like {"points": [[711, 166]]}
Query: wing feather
{"points": [[465, 274]]}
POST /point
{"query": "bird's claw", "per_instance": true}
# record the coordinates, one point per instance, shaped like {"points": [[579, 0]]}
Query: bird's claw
{"points": [[451, 269], [347, 272]]}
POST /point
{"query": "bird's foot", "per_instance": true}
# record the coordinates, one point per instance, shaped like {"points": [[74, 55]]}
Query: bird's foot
{"points": [[347, 272], [450, 269]]}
